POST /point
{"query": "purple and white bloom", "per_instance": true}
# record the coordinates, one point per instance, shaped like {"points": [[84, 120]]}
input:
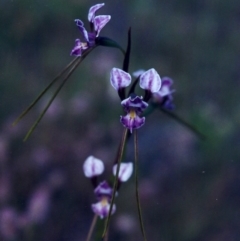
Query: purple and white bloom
{"points": [[150, 80], [93, 167], [96, 25], [134, 106], [119, 79], [164, 95], [103, 193], [125, 171]]}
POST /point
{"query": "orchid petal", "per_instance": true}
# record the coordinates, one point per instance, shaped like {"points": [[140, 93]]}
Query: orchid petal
{"points": [[93, 167], [103, 189], [150, 80], [125, 171], [132, 123], [134, 103], [102, 209], [99, 22], [119, 78], [166, 87], [82, 29], [77, 50], [92, 10]]}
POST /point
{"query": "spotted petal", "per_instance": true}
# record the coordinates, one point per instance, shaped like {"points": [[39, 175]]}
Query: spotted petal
{"points": [[119, 78], [150, 80], [92, 10]]}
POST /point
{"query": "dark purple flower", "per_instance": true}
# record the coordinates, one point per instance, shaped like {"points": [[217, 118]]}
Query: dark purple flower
{"points": [[96, 25], [164, 96], [134, 106], [103, 193]]}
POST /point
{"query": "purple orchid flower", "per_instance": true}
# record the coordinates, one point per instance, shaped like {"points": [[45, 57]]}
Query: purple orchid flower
{"points": [[93, 167], [103, 193], [96, 25], [164, 96], [135, 105]]}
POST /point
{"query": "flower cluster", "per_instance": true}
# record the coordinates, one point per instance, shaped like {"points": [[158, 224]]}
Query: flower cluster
{"points": [[96, 25], [94, 167], [134, 105]]}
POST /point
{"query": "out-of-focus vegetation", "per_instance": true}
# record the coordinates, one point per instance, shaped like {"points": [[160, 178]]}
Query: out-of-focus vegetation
{"points": [[190, 189]]}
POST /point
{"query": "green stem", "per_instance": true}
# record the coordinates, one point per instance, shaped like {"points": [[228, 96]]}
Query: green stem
{"points": [[120, 154], [54, 96], [93, 224], [136, 182], [44, 91]]}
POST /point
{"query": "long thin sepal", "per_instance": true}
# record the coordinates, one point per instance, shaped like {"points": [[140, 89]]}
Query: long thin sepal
{"points": [[136, 182], [54, 95], [93, 224], [184, 123], [126, 61], [120, 154], [45, 90], [107, 42], [152, 107], [128, 52]]}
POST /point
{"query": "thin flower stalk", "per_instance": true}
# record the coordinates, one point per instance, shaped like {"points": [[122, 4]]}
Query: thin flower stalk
{"points": [[54, 95], [119, 159], [136, 185], [93, 224]]}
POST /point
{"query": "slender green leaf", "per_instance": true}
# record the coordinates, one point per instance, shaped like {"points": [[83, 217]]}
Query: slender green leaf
{"points": [[45, 90]]}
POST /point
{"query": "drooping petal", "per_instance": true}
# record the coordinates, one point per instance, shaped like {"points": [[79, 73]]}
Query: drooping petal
{"points": [[131, 122], [119, 78], [77, 50], [92, 11], [93, 167], [99, 22], [82, 29], [125, 171], [150, 80], [102, 209]]}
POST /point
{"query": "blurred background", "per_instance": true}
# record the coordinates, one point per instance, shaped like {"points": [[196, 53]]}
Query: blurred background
{"points": [[190, 189]]}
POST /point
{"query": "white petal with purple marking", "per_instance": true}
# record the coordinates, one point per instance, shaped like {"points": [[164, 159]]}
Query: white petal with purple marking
{"points": [[93, 167], [119, 78], [150, 80]]}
